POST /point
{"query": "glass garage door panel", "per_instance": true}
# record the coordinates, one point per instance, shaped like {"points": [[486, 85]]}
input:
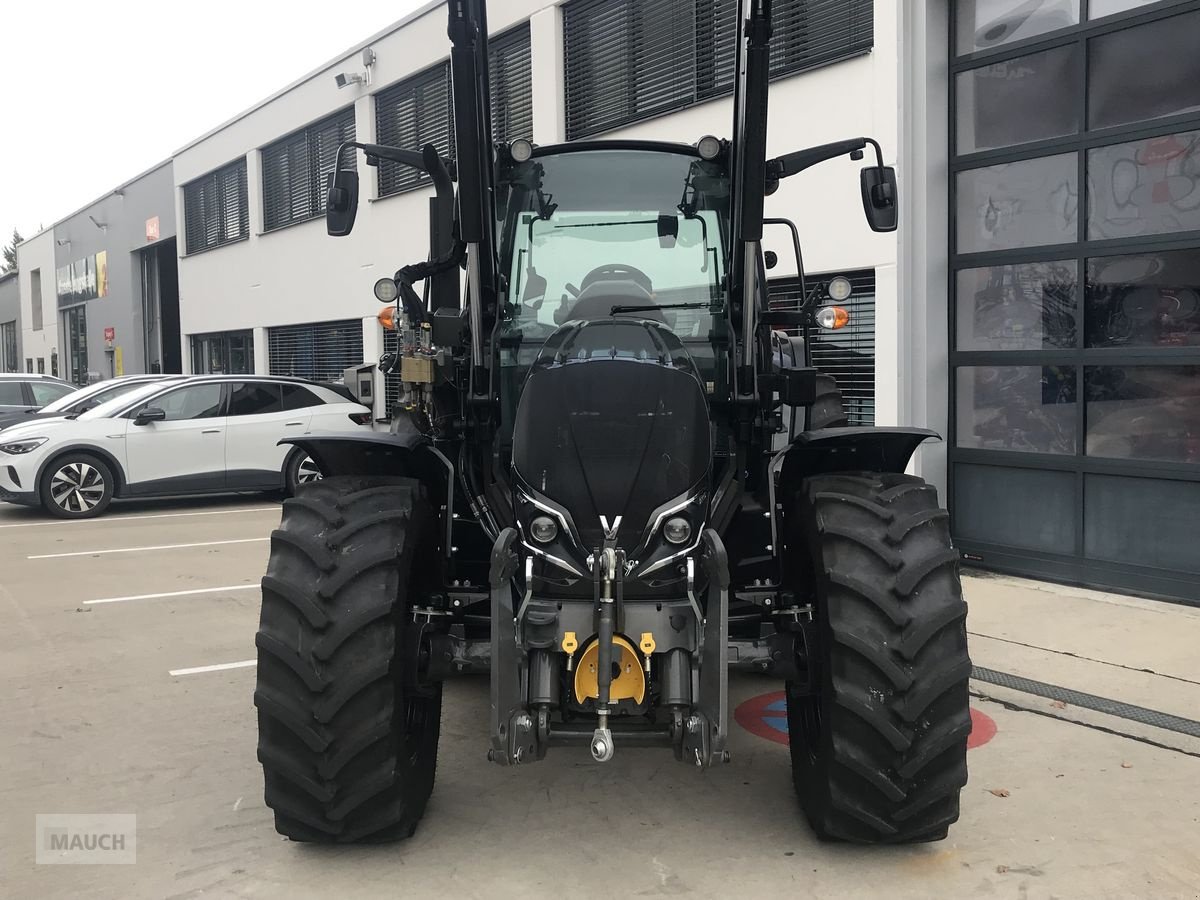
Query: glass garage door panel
{"points": [[1029, 306], [1033, 509], [1144, 72], [1029, 98], [1028, 203], [1116, 527], [1020, 408], [1144, 412], [1146, 300], [1144, 187], [1097, 9], [985, 24]]}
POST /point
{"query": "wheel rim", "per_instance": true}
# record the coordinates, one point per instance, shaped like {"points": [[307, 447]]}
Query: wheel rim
{"points": [[307, 471], [77, 487]]}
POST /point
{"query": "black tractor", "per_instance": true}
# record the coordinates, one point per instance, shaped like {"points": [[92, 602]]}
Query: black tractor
{"points": [[613, 474]]}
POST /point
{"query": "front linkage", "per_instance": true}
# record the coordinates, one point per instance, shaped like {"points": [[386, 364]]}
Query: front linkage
{"points": [[680, 658]]}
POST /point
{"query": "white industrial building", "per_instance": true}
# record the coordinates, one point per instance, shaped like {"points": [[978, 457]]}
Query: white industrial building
{"points": [[266, 278], [1039, 305]]}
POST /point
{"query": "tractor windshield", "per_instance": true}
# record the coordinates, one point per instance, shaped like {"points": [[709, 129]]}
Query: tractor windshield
{"points": [[595, 233]]}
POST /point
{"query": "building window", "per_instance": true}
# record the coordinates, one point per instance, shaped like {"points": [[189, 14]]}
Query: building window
{"points": [[628, 60], [321, 351], [215, 208], [295, 170], [409, 115], [847, 354], [223, 353], [1075, 290], [420, 109], [35, 299], [510, 74], [8, 347]]}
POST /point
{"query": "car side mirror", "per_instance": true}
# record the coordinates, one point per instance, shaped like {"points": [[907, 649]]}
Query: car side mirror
{"points": [[880, 198], [150, 414], [341, 202]]}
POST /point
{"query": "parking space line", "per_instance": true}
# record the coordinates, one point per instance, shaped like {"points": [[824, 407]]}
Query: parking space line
{"points": [[219, 667], [214, 590], [140, 549], [108, 520]]}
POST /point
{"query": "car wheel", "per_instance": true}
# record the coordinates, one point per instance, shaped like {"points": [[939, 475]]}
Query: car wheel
{"points": [[301, 469], [77, 486]]}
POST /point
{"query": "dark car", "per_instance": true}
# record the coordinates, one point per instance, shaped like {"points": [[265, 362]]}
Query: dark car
{"points": [[26, 391]]}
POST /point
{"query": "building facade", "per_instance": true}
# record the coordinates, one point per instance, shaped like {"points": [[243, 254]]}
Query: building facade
{"points": [[115, 286], [37, 319], [1050, 254], [263, 287], [10, 323]]}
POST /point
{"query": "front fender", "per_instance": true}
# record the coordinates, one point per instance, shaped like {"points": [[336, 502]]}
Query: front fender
{"points": [[858, 449], [408, 454]]}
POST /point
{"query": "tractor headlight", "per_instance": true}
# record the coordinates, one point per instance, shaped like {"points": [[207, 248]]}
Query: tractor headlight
{"points": [[677, 530], [24, 446], [386, 290], [708, 147], [543, 529], [521, 150]]}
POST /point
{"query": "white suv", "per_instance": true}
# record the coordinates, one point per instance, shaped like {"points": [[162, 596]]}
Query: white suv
{"points": [[204, 435]]}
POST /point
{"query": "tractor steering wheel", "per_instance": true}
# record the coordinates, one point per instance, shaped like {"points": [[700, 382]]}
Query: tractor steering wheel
{"points": [[617, 272]]}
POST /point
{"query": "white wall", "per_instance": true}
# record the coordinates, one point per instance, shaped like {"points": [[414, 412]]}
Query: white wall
{"points": [[923, 363], [38, 253], [298, 274]]}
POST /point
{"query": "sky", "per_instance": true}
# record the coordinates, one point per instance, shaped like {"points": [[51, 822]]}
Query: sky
{"points": [[96, 93]]}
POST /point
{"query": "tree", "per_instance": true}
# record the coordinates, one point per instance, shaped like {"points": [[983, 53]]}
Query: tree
{"points": [[10, 254]]}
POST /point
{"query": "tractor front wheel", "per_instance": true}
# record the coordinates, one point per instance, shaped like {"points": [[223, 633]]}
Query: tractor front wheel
{"points": [[347, 734], [879, 739]]}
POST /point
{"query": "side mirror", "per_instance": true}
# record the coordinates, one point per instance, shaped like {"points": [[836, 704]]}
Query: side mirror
{"points": [[150, 414], [341, 202], [668, 231], [770, 259], [880, 199], [535, 286]]}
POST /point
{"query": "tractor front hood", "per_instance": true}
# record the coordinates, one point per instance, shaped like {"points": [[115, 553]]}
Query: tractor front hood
{"points": [[612, 434]]}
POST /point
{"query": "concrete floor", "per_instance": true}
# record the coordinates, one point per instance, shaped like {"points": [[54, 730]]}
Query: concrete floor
{"points": [[95, 723]]}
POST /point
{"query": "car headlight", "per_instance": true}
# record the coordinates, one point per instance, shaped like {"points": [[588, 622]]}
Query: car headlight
{"points": [[544, 529], [22, 446], [677, 530]]}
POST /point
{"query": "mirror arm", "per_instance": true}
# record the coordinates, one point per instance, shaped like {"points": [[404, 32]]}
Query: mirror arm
{"points": [[797, 161], [415, 159]]}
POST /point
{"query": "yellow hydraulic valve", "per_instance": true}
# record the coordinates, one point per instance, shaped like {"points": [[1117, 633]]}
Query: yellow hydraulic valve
{"points": [[629, 682]]}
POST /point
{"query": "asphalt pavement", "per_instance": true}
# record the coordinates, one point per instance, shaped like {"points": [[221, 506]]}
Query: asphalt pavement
{"points": [[127, 664]]}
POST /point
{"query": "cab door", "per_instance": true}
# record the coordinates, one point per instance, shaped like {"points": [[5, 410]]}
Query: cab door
{"points": [[185, 451]]}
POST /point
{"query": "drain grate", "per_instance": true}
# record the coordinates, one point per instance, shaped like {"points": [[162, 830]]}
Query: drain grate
{"points": [[1089, 701]]}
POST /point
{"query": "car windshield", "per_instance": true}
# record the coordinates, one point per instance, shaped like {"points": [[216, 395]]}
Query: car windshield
{"points": [[116, 404], [586, 231], [92, 395]]}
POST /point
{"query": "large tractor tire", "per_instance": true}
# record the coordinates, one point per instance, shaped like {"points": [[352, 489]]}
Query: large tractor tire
{"points": [[879, 739], [347, 733], [827, 410]]}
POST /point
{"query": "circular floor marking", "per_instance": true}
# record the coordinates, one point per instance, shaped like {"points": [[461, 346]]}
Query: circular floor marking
{"points": [[766, 717]]}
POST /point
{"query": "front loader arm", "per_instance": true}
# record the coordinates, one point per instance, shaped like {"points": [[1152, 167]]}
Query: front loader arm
{"points": [[476, 189]]}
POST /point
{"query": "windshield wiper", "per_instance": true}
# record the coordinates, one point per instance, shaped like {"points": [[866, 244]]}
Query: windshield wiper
{"points": [[650, 307]]}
